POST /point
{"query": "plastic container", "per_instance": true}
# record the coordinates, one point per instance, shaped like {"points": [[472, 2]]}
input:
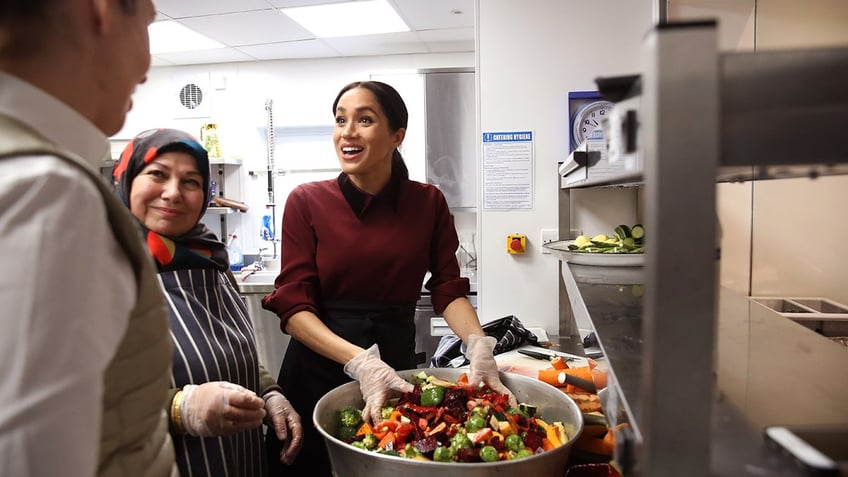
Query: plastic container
{"points": [[235, 253]]}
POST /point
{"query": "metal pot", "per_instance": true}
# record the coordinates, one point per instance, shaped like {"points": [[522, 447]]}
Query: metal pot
{"points": [[348, 461]]}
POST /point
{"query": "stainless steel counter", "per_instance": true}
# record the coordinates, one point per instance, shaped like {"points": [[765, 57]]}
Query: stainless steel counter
{"points": [[769, 370], [271, 342]]}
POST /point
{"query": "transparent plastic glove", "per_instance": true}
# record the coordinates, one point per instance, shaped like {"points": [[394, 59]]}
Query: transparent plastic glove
{"points": [[285, 421], [484, 370], [220, 408], [375, 378]]}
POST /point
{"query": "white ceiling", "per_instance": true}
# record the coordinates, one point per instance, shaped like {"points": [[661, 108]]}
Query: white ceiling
{"points": [[256, 30]]}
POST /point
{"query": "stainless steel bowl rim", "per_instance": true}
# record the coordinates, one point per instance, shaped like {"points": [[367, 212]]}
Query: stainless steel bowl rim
{"points": [[517, 383]]}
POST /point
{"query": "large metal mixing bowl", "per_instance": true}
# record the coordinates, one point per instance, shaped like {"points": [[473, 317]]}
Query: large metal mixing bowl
{"points": [[348, 461]]}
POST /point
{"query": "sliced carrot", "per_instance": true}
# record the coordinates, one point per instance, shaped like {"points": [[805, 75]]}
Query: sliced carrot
{"points": [[386, 440], [554, 377], [600, 378], [364, 429], [559, 363], [609, 440], [547, 444], [583, 372], [395, 416], [595, 445]]}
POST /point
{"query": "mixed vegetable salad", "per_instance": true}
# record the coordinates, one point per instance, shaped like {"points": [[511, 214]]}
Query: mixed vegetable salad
{"points": [[452, 422], [625, 239]]}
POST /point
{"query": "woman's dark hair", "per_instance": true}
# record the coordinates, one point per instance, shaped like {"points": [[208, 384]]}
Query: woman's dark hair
{"points": [[394, 108]]}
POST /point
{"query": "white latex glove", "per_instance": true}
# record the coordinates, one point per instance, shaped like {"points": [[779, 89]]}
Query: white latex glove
{"points": [[286, 423], [220, 408], [375, 378], [484, 370]]}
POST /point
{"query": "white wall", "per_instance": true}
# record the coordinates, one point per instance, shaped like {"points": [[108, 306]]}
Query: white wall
{"points": [[302, 92], [530, 55]]}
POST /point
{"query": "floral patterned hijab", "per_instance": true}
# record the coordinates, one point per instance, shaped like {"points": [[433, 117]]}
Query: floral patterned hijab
{"points": [[199, 247]]}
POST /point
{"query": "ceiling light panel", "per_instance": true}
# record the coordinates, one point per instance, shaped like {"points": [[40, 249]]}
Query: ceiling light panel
{"points": [[348, 19], [170, 37]]}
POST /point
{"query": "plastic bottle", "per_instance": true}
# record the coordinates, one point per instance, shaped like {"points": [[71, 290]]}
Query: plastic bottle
{"points": [[213, 192], [234, 251]]}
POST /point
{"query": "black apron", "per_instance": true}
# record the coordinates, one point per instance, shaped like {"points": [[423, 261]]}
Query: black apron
{"points": [[306, 376]]}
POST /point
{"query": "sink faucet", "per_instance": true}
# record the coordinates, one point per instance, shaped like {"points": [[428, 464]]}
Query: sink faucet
{"points": [[256, 266]]}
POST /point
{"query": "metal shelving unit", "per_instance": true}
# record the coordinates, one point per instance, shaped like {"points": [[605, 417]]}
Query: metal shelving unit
{"points": [[220, 167], [699, 117]]}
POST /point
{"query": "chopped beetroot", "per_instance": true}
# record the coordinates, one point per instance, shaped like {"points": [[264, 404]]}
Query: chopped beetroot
{"points": [[426, 445], [533, 438], [468, 455]]}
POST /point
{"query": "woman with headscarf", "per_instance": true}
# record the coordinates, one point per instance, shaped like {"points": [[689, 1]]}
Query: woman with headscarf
{"points": [[220, 392]]}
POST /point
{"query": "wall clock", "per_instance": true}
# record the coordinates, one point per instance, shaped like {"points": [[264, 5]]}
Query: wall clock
{"points": [[587, 110]]}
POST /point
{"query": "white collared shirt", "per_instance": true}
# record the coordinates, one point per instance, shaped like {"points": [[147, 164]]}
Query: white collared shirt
{"points": [[66, 289]]}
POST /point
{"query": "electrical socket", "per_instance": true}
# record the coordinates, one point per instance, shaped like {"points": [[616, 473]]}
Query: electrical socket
{"points": [[548, 235]]}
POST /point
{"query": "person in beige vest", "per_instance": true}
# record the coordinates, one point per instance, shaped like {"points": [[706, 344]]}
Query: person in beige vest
{"points": [[83, 325]]}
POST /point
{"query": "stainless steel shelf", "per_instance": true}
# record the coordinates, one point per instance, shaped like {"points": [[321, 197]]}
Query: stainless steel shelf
{"points": [[703, 117], [225, 161], [219, 210], [781, 115], [752, 343]]}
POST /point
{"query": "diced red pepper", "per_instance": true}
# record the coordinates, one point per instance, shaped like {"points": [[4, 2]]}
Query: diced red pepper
{"points": [[482, 435], [403, 432]]}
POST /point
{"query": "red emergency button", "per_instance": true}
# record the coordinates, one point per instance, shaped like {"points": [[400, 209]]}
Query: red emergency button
{"points": [[516, 244]]}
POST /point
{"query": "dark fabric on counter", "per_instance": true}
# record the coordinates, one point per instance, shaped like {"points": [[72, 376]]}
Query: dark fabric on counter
{"points": [[509, 332]]}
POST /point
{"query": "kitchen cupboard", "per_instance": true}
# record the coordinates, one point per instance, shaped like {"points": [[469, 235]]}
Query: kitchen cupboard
{"points": [[687, 359]]}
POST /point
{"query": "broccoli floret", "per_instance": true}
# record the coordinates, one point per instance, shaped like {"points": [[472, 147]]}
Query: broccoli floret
{"points": [[359, 445], [347, 433], [350, 417], [370, 441], [410, 452], [387, 412], [389, 452]]}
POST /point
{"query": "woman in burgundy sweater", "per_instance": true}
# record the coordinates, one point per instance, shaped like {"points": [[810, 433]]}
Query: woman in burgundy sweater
{"points": [[355, 251]]}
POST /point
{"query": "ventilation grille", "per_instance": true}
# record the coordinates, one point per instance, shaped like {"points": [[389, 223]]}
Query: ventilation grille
{"points": [[191, 96]]}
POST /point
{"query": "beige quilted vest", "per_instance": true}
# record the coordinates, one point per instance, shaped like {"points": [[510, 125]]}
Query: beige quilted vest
{"points": [[135, 439]]}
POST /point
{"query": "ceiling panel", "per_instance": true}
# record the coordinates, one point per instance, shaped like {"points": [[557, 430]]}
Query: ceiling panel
{"points": [[194, 8], [257, 30], [219, 55], [436, 14], [290, 50], [386, 44], [248, 28]]}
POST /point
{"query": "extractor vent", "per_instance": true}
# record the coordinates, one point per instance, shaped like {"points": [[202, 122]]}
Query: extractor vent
{"points": [[191, 95]]}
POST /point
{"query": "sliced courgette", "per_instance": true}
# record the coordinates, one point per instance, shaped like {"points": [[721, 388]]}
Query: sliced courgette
{"points": [[637, 232], [595, 418], [623, 232], [527, 409]]}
